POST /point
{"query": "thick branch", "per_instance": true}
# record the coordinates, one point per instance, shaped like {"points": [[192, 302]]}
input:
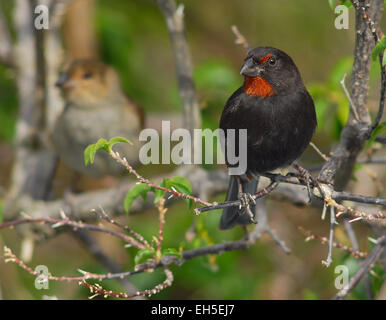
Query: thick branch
{"points": [[337, 170], [174, 17]]}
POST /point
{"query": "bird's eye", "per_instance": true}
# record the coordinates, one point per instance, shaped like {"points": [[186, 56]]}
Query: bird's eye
{"points": [[272, 61], [87, 75]]}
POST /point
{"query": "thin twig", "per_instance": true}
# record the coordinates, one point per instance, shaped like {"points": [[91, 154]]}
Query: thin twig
{"points": [[103, 215], [323, 240], [105, 260], [76, 225], [237, 203], [351, 235], [97, 290], [328, 261], [141, 179], [161, 210], [352, 106], [11, 257], [324, 157], [240, 39]]}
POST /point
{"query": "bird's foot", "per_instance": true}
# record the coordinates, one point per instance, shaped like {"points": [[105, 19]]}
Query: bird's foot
{"points": [[246, 200], [306, 177]]}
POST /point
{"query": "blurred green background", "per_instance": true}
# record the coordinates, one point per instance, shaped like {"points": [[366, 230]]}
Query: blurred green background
{"points": [[132, 36]]}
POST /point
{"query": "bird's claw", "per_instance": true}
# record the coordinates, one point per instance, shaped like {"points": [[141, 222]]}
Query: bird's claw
{"points": [[246, 199], [308, 179]]}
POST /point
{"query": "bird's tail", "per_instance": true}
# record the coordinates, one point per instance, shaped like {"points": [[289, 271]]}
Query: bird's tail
{"points": [[232, 215]]}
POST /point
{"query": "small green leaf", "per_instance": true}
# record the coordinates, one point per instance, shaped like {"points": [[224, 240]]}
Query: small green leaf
{"points": [[115, 140], [380, 47], [135, 192], [332, 4], [180, 182], [182, 185], [143, 255], [91, 150], [89, 154], [102, 144], [172, 252]]}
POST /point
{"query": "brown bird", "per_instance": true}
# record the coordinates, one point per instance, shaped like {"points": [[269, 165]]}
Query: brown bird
{"points": [[96, 107]]}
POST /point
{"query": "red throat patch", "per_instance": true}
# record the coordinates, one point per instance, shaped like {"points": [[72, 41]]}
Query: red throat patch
{"points": [[257, 86]]}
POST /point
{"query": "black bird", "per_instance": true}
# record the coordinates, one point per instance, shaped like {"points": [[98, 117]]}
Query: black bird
{"points": [[279, 115]]}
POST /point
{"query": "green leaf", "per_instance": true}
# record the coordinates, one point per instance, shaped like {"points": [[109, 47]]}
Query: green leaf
{"points": [[89, 154], [102, 144], [179, 182], [346, 3], [380, 47], [138, 190], [91, 150], [143, 255], [182, 185], [332, 4], [384, 58], [115, 140], [172, 252], [379, 130]]}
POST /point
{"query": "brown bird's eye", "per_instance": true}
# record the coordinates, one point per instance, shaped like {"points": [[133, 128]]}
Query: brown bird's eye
{"points": [[272, 61], [87, 75]]}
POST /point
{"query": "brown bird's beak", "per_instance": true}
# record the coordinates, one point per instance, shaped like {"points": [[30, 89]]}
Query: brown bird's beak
{"points": [[64, 81], [250, 69]]}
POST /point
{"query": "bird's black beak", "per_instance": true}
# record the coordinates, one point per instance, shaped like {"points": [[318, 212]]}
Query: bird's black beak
{"points": [[250, 69], [63, 78]]}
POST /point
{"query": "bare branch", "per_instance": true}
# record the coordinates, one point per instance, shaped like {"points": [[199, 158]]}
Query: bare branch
{"points": [[328, 261], [97, 290], [323, 240], [55, 223], [174, 17], [364, 268], [337, 170], [93, 247], [352, 106], [324, 157]]}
